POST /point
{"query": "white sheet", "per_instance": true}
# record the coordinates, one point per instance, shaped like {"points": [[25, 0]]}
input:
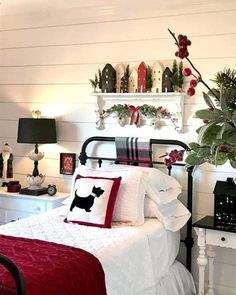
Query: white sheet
{"points": [[131, 256]]}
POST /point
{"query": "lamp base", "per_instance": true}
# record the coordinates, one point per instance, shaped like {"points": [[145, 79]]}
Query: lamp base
{"points": [[34, 192]]}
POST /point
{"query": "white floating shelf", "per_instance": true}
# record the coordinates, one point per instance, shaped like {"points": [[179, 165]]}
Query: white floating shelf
{"points": [[142, 96], [177, 98]]}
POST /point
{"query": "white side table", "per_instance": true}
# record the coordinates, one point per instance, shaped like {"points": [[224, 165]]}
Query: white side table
{"points": [[210, 235], [14, 206]]}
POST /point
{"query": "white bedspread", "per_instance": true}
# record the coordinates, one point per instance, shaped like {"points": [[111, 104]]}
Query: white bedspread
{"points": [[130, 256]]}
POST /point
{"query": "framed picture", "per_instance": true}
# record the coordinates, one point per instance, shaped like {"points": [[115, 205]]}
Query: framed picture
{"points": [[67, 163]]}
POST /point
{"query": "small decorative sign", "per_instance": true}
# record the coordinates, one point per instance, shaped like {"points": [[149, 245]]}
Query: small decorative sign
{"points": [[67, 163]]}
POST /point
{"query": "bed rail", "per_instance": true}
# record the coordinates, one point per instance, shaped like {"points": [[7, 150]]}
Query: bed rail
{"points": [[15, 272], [83, 157]]}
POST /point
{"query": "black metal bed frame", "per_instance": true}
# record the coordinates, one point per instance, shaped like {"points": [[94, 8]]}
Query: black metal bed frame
{"points": [[83, 157], [15, 272]]}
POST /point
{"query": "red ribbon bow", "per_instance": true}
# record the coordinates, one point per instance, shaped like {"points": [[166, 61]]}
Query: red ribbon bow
{"points": [[134, 115]]}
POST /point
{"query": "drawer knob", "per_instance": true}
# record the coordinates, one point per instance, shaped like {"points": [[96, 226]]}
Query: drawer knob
{"points": [[223, 239]]}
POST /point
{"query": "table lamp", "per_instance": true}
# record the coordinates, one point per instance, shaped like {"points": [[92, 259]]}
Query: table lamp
{"points": [[36, 131]]}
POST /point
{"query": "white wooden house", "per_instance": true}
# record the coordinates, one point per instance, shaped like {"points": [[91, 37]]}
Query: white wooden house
{"points": [[133, 81], [157, 71], [120, 70]]}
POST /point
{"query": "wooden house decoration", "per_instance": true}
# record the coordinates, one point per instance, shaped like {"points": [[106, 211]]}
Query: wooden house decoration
{"points": [[108, 79], [225, 202], [142, 77], [167, 85], [120, 71], [124, 87], [157, 72], [133, 81]]}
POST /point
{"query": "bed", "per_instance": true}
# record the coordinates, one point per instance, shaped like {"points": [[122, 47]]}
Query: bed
{"points": [[131, 255]]}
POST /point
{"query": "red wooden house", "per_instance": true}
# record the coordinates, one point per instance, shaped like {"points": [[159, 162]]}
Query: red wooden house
{"points": [[142, 77]]}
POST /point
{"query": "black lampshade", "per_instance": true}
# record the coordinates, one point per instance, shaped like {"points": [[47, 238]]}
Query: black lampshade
{"points": [[36, 131]]}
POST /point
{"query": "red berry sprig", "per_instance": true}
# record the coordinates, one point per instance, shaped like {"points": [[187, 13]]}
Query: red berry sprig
{"points": [[223, 148], [183, 42], [191, 91], [174, 156], [187, 72], [193, 83]]}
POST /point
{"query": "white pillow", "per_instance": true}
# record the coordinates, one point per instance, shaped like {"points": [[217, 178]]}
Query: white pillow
{"points": [[149, 208], [161, 201], [172, 215], [129, 206], [156, 181], [93, 201], [162, 197]]}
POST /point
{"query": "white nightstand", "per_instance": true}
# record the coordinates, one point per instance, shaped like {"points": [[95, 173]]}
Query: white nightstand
{"points": [[211, 235], [14, 206]]}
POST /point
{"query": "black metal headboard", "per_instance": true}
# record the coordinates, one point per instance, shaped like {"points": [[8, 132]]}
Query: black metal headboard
{"points": [[188, 240]]}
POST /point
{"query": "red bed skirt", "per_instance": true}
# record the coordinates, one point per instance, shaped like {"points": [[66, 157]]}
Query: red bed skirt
{"points": [[51, 269]]}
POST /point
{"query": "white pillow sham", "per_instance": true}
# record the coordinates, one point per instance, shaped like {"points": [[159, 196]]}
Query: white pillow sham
{"points": [[172, 215], [156, 181], [129, 206], [161, 201]]}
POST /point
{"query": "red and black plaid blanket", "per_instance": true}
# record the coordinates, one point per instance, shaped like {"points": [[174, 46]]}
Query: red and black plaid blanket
{"points": [[50, 268], [133, 149]]}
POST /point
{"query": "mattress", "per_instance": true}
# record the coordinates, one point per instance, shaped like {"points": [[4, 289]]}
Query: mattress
{"points": [[137, 257]]}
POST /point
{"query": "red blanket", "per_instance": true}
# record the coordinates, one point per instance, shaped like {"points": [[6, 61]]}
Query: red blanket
{"points": [[51, 269]]}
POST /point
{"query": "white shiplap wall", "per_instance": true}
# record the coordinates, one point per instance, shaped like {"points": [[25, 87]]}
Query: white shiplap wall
{"points": [[47, 56]]}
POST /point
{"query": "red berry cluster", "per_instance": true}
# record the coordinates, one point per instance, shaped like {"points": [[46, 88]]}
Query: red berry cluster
{"points": [[173, 157], [183, 43], [223, 148], [193, 83]]}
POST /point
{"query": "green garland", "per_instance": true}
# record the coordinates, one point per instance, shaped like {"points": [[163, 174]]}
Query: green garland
{"points": [[120, 110], [123, 111]]}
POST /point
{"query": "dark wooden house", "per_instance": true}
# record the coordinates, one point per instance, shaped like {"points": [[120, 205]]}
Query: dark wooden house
{"points": [[108, 79], [124, 85], [167, 85], [225, 202]]}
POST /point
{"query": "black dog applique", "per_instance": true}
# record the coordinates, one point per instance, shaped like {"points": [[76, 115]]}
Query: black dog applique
{"points": [[87, 202]]}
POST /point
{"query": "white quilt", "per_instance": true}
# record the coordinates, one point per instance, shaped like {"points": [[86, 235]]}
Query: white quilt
{"points": [[131, 256]]}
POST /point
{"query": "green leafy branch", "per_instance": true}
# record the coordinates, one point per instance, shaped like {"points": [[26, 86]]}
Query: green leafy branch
{"points": [[97, 81], [217, 137]]}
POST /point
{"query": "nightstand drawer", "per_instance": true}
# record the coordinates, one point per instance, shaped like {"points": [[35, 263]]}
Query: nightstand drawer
{"points": [[21, 204], [16, 215], [14, 206], [221, 238]]}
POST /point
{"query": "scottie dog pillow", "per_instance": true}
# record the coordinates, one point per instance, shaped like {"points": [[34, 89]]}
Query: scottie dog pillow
{"points": [[93, 200]]}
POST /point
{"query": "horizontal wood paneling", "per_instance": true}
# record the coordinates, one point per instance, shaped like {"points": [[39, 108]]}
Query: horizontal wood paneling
{"points": [[80, 73], [48, 53], [35, 15], [88, 33], [116, 52]]}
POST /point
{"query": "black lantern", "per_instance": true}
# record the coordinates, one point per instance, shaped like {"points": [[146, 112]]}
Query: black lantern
{"points": [[225, 203], [36, 131]]}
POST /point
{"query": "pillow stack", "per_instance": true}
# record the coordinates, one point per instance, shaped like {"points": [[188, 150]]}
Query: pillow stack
{"points": [[126, 194]]}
